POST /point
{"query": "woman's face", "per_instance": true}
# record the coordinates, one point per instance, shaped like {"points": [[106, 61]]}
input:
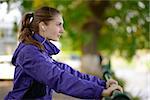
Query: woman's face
{"points": [[54, 29]]}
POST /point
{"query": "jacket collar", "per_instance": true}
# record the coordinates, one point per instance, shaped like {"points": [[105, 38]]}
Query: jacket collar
{"points": [[50, 47]]}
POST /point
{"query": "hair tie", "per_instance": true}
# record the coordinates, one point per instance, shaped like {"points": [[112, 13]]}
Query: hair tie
{"points": [[31, 18]]}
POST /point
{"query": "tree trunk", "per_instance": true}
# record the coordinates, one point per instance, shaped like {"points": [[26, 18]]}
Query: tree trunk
{"points": [[90, 58]]}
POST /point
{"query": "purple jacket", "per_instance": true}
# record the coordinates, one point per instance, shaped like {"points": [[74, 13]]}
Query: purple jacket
{"points": [[37, 74]]}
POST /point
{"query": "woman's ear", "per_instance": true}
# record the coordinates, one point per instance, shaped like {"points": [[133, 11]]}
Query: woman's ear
{"points": [[42, 26]]}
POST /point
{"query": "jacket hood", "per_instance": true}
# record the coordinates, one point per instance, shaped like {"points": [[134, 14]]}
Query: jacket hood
{"points": [[50, 48], [20, 46]]}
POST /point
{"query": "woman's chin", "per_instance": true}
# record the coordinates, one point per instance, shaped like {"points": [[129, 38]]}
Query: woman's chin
{"points": [[55, 39]]}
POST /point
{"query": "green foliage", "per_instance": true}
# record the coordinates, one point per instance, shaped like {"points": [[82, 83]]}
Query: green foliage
{"points": [[124, 25], [127, 27], [27, 5]]}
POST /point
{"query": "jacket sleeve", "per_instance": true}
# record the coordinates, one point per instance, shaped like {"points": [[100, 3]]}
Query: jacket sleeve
{"points": [[39, 68], [84, 76]]}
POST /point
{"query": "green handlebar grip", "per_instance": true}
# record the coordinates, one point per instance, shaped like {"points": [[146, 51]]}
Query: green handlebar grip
{"points": [[116, 94]]}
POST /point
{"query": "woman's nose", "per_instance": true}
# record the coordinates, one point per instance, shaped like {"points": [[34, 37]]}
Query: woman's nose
{"points": [[62, 30]]}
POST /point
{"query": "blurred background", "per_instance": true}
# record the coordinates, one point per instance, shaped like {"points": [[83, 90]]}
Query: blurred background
{"points": [[98, 33]]}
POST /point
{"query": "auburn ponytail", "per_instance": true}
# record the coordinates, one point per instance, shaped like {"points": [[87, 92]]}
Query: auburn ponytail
{"points": [[26, 31]]}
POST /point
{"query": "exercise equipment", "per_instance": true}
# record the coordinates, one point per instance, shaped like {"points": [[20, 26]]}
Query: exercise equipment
{"points": [[116, 94]]}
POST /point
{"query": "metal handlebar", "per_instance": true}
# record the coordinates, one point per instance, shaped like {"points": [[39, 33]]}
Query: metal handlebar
{"points": [[116, 94]]}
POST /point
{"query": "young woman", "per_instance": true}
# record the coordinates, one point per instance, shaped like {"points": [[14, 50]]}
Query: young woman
{"points": [[37, 73]]}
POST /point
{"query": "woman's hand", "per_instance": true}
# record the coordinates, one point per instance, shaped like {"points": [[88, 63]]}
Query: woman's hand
{"points": [[109, 90], [111, 82]]}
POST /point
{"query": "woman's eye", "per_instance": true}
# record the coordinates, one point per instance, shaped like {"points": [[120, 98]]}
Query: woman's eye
{"points": [[59, 24]]}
